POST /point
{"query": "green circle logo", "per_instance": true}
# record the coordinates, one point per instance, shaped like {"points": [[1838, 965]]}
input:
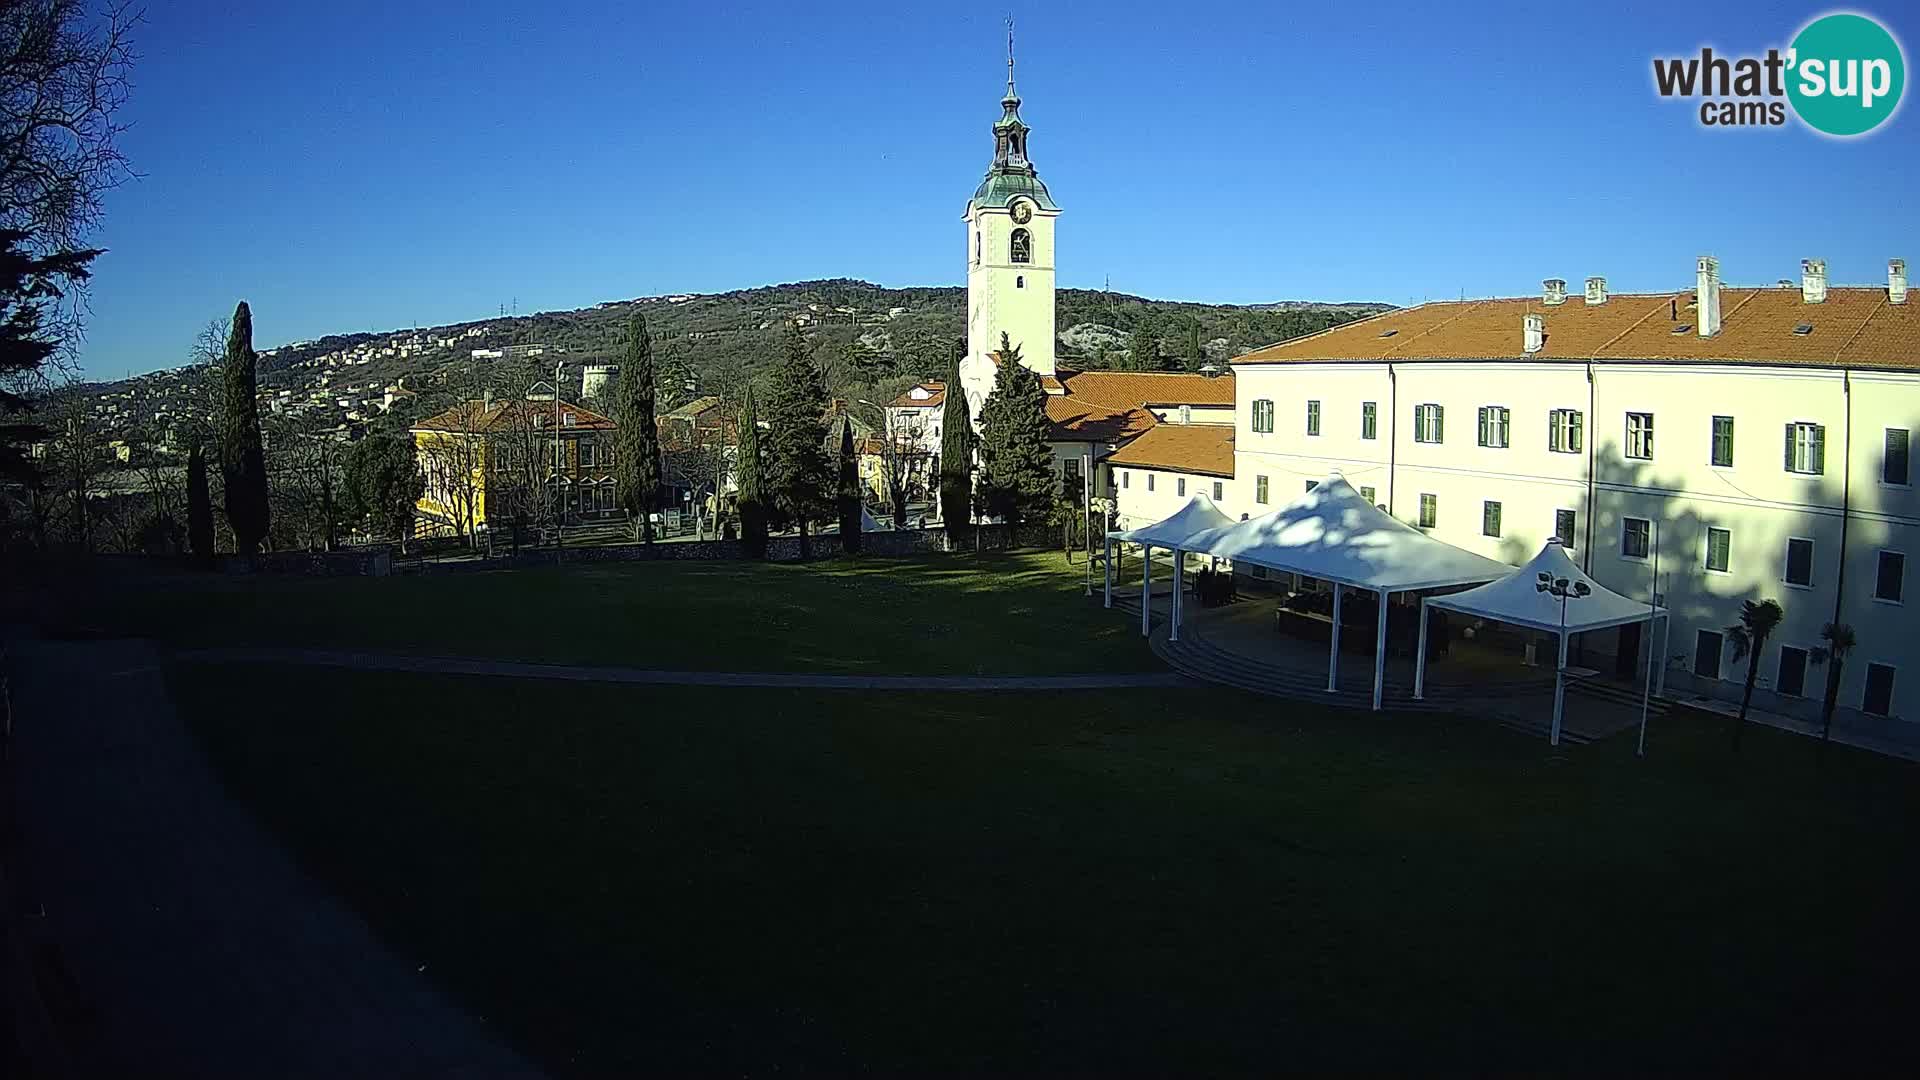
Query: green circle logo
{"points": [[1845, 74]]}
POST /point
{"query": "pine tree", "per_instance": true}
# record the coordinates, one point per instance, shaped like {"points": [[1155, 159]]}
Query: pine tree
{"points": [[956, 455], [849, 494], [199, 505], [750, 498], [243, 463], [799, 475], [637, 464], [1016, 481]]}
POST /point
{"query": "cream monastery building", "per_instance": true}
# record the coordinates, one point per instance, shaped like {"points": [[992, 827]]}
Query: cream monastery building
{"points": [[1752, 442]]}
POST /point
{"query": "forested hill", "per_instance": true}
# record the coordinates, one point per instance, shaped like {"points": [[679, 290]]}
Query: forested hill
{"points": [[870, 340], [718, 333]]}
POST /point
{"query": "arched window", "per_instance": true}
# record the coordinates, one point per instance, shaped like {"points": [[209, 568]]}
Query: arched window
{"points": [[1022, 246]]}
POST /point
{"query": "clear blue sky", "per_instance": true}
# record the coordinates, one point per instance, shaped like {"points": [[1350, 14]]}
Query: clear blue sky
{"points": [[352, 166]]}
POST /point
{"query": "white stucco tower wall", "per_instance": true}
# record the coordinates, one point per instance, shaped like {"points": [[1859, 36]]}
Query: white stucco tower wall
{"points": [[1004, 296]]}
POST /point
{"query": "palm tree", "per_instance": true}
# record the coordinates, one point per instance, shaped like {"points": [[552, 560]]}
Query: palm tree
{"points": [[1749, 635], [1839, 642]]}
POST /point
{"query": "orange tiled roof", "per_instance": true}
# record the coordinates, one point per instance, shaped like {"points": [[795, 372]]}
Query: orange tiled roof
{"points": [[937, 395], [1079, 420], [506, 414], [695, 409], [1855, 327], [1129, 389], [1189, 448]]}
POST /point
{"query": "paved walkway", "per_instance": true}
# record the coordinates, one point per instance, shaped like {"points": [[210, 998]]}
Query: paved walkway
{"points": [[178, 938], [454, 665]]}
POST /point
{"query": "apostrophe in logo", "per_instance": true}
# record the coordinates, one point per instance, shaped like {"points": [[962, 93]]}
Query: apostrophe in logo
{"points": [[1847, 73], [1843, 76]]}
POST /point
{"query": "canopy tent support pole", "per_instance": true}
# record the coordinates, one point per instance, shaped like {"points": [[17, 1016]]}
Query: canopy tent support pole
{"points": [[1660, 672], [1420, 658], [1107, 565], [1559, 691], [1179, 586], [1646, 694], [1146, 588], [1333, 653], [1380, 652]]}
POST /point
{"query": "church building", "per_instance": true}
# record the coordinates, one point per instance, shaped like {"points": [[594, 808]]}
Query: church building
{"points": [[1010, 228]]}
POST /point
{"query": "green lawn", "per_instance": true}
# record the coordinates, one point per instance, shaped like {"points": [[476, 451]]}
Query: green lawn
{"points": [[996, 614], [752, 881]]}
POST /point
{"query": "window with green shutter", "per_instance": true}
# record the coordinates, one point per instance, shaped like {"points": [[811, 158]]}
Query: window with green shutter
{"points": [[1894, 467], [1494, 422], [1313, 418], [1723, 441], [1490, 519], [1806, 449], [1429, 511], [1719, 549], [1564, 434], [1427, 424], [1260, 490], [1369, 420]]}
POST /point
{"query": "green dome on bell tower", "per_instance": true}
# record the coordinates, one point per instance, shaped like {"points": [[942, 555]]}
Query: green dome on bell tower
{"points": [[1012, 172]]}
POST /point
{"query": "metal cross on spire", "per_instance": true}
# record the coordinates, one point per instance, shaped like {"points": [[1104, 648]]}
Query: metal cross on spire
{"points": [[1010, 94]]}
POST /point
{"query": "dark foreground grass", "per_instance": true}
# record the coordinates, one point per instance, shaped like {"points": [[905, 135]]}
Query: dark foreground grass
{"points": [[995, 614], [757, 881]]}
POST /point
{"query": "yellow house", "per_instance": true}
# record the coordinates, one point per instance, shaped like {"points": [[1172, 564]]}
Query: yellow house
{"points": [[507, 458]]}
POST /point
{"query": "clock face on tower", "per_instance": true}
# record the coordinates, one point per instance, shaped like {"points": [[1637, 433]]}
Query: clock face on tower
{"points": [[1022, 212]]}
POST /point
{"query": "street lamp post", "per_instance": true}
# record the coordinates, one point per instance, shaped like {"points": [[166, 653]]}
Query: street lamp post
{"points": [[1086, 512], [1565, 590]]}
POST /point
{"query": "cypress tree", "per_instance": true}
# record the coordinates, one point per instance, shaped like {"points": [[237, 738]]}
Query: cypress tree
{"points": [[750, 497], [1016, 480], [799, 476], [243, 463], [849, 494], [956, 456], [1144, 349], [199, 505], [637, 465]]}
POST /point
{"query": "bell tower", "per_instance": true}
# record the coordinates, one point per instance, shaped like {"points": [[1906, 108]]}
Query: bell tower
{"points": [[1009, 237]]}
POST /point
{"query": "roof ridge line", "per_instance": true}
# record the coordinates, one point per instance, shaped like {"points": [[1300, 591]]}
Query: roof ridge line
{"points": [[1331, 329], [1858, 330], [1468, 310], [1641, 321]]}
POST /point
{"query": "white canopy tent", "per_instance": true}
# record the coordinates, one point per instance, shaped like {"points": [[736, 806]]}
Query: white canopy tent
{"points": [[1197, 516], [1334, 534], [1520, 600]]}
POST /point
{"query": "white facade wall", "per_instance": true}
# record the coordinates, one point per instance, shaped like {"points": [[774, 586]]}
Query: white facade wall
{"points": [[1757, 500], [1194, 414], [1144, 496], [920, 423]]}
